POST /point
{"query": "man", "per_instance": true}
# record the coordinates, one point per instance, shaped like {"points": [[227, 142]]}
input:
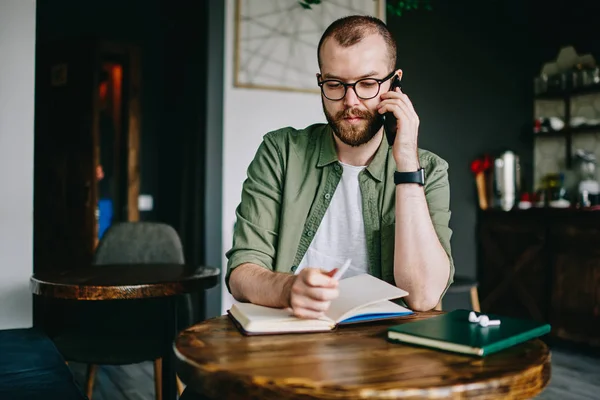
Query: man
{"points": [[318, 196]]}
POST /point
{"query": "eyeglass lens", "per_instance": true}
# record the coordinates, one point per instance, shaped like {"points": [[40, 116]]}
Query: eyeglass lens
{"points": [[364, 88]]}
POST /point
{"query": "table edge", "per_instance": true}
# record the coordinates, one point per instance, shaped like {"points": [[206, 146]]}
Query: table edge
{"points": [[126, 292]]}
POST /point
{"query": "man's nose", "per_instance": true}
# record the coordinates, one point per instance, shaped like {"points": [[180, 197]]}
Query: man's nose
{"points": [[351, 99]]}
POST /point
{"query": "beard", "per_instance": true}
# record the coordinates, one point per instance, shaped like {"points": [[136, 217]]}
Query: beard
{"points": [[354, 135]]}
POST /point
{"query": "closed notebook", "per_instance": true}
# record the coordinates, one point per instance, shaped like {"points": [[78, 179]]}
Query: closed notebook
{"points": [[362, 298], [453, 332]]}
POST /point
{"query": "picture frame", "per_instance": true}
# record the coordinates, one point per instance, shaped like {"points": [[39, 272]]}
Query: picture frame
{"points": [[276, 40]]}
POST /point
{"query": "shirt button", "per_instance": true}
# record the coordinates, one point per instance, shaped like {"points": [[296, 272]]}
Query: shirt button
{"points": [[294, 268], [327, 196], [337, 167], [309, 233]]}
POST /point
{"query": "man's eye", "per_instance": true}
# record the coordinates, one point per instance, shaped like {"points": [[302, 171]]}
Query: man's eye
{"points": [[333, 85], [368, 84]]}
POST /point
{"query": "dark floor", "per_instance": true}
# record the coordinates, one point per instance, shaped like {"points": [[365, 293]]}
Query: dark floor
{"points": [[575, 376], [131, 382]]}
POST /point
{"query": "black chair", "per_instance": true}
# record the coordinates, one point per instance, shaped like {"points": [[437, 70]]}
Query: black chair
{"points": [[121, 332], [463, 284]]}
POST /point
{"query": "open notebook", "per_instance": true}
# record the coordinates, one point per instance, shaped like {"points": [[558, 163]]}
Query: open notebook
{"points": [[362, 298]]}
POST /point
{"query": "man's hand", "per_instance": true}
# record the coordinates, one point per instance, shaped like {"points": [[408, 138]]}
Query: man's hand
{"points": [[407, 131], [311, 293]]}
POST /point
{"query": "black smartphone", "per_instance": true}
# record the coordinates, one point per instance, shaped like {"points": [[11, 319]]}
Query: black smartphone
{"points": [[389, 120]]}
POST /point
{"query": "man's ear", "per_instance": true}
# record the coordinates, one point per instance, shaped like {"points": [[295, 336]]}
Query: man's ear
{"points": [[399, 73]]}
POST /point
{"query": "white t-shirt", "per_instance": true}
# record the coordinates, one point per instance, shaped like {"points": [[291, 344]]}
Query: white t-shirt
{"points": [[341, 234]]}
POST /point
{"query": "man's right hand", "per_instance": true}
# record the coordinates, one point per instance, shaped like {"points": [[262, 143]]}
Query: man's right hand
{"points": [[311, 293]]}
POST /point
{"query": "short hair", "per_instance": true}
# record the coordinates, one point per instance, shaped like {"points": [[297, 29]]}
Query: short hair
{"points": [[348, 31]]}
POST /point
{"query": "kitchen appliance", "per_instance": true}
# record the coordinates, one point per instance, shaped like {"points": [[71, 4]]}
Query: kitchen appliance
{"points": [[588, 188], [506, 180]]}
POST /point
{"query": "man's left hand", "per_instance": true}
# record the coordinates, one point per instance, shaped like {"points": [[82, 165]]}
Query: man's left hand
{"points": [[407, 130]]}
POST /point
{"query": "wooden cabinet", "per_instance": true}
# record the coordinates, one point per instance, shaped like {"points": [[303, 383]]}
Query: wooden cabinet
{"points": [[543, 264], [575, 268]]}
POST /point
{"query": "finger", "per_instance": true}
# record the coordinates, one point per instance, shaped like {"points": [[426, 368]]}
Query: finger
{"points": [[398, 94], [398, 112], [408, 109], [300, 302], [300, 290], [316, 278], [401, 113], [331, 273], [307, 314], [321, 294]]}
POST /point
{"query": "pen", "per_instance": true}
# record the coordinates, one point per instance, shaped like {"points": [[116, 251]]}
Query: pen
{"points": [[339, 272]]}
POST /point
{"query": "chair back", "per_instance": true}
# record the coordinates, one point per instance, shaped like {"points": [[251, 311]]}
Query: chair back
{"points": [[146, 243], [139, 243]]}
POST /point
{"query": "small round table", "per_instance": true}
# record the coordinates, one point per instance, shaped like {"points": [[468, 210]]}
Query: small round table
{"points": [[128, 282], [353, 362]]}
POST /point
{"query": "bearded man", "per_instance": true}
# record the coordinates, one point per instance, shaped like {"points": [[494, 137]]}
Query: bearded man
{"points": [[319, 196]]}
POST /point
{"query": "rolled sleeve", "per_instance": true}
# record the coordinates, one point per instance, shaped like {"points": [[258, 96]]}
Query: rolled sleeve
{"points": [[257, 216]]}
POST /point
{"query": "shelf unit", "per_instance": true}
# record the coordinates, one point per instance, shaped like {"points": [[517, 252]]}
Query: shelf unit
{"points": [[568, 132], [570, 92]]}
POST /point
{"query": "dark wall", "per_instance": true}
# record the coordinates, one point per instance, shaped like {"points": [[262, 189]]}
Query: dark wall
{"points": [[558, 23], [466, 70]]}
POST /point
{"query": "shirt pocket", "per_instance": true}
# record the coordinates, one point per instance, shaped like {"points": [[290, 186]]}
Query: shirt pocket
{"points": [[388, 233]]}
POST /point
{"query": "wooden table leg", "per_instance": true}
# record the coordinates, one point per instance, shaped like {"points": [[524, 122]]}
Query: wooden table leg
{"points": [[169, 386]]}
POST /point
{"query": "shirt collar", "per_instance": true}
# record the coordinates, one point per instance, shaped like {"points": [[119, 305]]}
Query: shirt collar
{"points": [[328, 155], [377, 166]]}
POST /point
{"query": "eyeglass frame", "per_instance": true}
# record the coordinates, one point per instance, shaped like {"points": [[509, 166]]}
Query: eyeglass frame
{"points": [[353, 85]]}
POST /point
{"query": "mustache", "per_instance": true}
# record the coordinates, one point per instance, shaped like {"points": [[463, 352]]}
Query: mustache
{"points": [[353, 113]]}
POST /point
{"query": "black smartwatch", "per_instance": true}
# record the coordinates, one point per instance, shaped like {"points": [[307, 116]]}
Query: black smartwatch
{"points": [[410, 177]]}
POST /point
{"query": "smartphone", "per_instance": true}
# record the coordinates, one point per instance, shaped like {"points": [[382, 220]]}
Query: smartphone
{"points": [[389, 120]]}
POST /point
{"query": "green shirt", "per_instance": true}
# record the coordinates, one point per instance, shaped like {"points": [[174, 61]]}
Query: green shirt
{"points": [[290, 183]]}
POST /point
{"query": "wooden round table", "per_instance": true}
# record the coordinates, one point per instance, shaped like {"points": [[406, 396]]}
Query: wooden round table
{"points": [[123, 281], [129, 282], [353, 362]]}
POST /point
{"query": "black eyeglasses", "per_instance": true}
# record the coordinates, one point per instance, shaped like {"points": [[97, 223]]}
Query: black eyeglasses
{"points": [[365, 89]]}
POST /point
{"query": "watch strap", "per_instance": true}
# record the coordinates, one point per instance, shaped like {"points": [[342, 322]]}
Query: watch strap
{"points": [[417, 176]]}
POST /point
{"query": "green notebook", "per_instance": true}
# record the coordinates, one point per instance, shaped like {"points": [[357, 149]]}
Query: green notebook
{"points": [[453, 332]]}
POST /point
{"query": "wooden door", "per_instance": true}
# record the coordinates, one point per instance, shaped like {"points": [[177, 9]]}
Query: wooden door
{"points": [[65, 138], [119, 106]]}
